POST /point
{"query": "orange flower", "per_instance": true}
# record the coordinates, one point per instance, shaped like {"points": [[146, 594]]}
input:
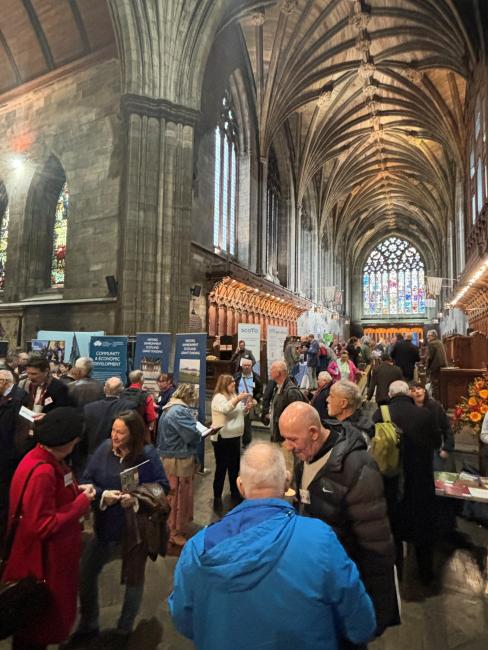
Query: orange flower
{"points": [[472, 401], [484, 408], [484, 393], [475, 416]]}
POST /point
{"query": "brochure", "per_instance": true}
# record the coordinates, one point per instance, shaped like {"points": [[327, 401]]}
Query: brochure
{"points": [[207, 431], [129, 478]]}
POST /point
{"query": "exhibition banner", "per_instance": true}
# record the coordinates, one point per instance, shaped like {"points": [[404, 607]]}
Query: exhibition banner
{"points": [[77, 344], [251, 334], [152, 357], [109, 354], [190, 365], [52, 350], [275, 343]]}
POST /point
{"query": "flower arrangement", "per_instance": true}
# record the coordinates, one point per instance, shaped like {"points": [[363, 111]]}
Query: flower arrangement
{"points": [[471, 410]]}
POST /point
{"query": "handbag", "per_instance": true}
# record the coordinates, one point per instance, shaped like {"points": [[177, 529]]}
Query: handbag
{"points": [[21, 601]]}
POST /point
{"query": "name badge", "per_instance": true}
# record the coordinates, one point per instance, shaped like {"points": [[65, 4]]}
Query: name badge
{"points": [[305, 496], [68, 479], [47, 401]]}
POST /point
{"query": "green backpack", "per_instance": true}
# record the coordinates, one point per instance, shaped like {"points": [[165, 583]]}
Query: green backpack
{"points": [[385, 446]]}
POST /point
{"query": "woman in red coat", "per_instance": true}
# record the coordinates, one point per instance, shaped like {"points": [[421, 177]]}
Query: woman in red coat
{"points": [[47, 544]]}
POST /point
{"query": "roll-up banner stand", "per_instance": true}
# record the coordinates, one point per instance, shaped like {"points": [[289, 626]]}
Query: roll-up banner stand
{"points": [[275, 341], [152, 357], [251, 335], [109, 354], [191, 368]]}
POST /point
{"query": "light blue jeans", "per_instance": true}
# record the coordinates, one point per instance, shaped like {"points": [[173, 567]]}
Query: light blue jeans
{"points": [[95, 556]]}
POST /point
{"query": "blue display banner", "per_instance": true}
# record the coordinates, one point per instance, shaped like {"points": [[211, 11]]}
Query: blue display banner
{"points": [[152, 357], [109, 354], [190, 365]]}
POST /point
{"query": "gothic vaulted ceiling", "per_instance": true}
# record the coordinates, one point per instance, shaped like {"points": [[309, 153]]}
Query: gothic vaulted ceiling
{"points": [[372, 95], [38, 36]]}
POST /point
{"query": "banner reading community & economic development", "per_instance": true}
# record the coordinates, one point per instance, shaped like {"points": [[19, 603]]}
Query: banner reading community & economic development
{"points": [[109, 354]]}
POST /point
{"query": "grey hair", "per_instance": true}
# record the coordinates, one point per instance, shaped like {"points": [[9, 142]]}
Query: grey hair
{"points": [[113, 386], [268, 471], [6, 374], [324, 375], [398, 388], [280, 363], [432, 333], [86, 364], [136, 377], [350, 392]]}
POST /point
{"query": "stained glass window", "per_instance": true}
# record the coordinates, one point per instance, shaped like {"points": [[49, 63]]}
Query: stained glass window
{"points": [[58, 262], [226, 179], [394, 280], [3, 246]]}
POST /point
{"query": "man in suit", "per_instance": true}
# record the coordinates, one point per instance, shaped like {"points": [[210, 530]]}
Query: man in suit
{"points": [[85, 389], [46, 392], [382, 377]]}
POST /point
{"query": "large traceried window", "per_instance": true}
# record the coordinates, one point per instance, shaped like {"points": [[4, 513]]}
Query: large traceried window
{"points": [[226, 179], [477, 161], [58, 259], [394, 280]]}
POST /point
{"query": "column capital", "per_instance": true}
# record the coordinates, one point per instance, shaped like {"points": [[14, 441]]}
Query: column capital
{"points": [[159, 108]]}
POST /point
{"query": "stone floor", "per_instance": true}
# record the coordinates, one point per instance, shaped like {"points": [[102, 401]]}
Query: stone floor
{"points": [[453, 616]]}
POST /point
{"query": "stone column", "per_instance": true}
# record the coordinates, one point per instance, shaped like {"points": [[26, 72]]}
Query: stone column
{"points": [[222, 320], [212, 319], [155, 253], [231, 326]]}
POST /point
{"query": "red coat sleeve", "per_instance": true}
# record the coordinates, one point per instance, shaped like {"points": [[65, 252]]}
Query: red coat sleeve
{"points": [[43, 517], [150, 410]]}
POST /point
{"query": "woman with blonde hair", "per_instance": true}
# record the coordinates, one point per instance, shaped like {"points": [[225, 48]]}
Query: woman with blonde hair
{"points": [[177, 444], [228, 409]]}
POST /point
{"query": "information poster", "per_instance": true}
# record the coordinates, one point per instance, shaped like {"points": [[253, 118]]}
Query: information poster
{"points": [[275, 343], [152, 357], [109, 354], [52, 350], [190, 365], [251, 334]]}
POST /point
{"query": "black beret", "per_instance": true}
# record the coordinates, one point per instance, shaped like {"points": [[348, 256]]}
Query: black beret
{"points": [[59, 426]]}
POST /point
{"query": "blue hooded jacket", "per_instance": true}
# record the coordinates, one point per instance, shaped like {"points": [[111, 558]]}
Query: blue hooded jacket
{"points": [[267, 578]]}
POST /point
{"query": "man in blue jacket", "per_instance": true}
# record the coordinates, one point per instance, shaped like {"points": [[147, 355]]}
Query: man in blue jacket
{"points": [[265, 577]]}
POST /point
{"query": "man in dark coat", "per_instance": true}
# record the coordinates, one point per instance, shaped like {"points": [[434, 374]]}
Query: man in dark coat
{"points": [[319, 399], [241, 353], [339, 482], [286, 392], [248, 381], [46, 392], [405, 355], [382, 377], [413, 514], [436, 359], [14, 438], [85, 389]]}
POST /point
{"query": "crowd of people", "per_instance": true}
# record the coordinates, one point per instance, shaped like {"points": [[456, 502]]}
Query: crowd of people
{"points": [[313, 492]]}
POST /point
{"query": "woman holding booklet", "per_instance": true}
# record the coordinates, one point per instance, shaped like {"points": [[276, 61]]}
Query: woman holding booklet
{"points": [[123, 456], [177, 443]]}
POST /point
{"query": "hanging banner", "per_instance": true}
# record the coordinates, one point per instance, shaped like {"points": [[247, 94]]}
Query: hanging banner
{"points": [[275, 343], [190, 365], [250, 333], [109, 354], [152, 357], [77, 344]]}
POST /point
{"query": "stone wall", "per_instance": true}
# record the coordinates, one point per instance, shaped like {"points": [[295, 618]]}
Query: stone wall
{"points": [[76, 119]]}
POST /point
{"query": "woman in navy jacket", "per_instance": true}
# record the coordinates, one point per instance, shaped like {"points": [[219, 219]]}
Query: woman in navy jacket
{"points": [[124, 450]]}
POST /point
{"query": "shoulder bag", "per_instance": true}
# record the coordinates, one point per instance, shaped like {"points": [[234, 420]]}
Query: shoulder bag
{"points": [[24, 600]]}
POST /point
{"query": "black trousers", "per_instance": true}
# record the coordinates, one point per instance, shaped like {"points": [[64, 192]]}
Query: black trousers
{"points": [[227, 459]]}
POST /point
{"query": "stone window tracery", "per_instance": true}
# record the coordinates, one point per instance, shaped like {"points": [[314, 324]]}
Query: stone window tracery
{"points": [[4, 219], [394, 280], [226, 179], [58, 258], [477, 160]]}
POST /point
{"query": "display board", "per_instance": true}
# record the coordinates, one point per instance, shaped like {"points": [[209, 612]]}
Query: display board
{"points": [[275, 341], [152, 357], [251, 334], [109, 354]]}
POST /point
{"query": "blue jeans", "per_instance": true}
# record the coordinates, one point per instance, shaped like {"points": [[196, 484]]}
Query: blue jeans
{"points": [[96, 555]]}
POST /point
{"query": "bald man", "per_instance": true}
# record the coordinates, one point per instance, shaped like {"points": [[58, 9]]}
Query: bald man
{"points": [[265, 577], [339, 483]]}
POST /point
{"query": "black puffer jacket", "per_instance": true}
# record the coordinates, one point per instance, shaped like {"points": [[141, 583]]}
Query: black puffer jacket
{"points": [[347, 493], [281, 399]]}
